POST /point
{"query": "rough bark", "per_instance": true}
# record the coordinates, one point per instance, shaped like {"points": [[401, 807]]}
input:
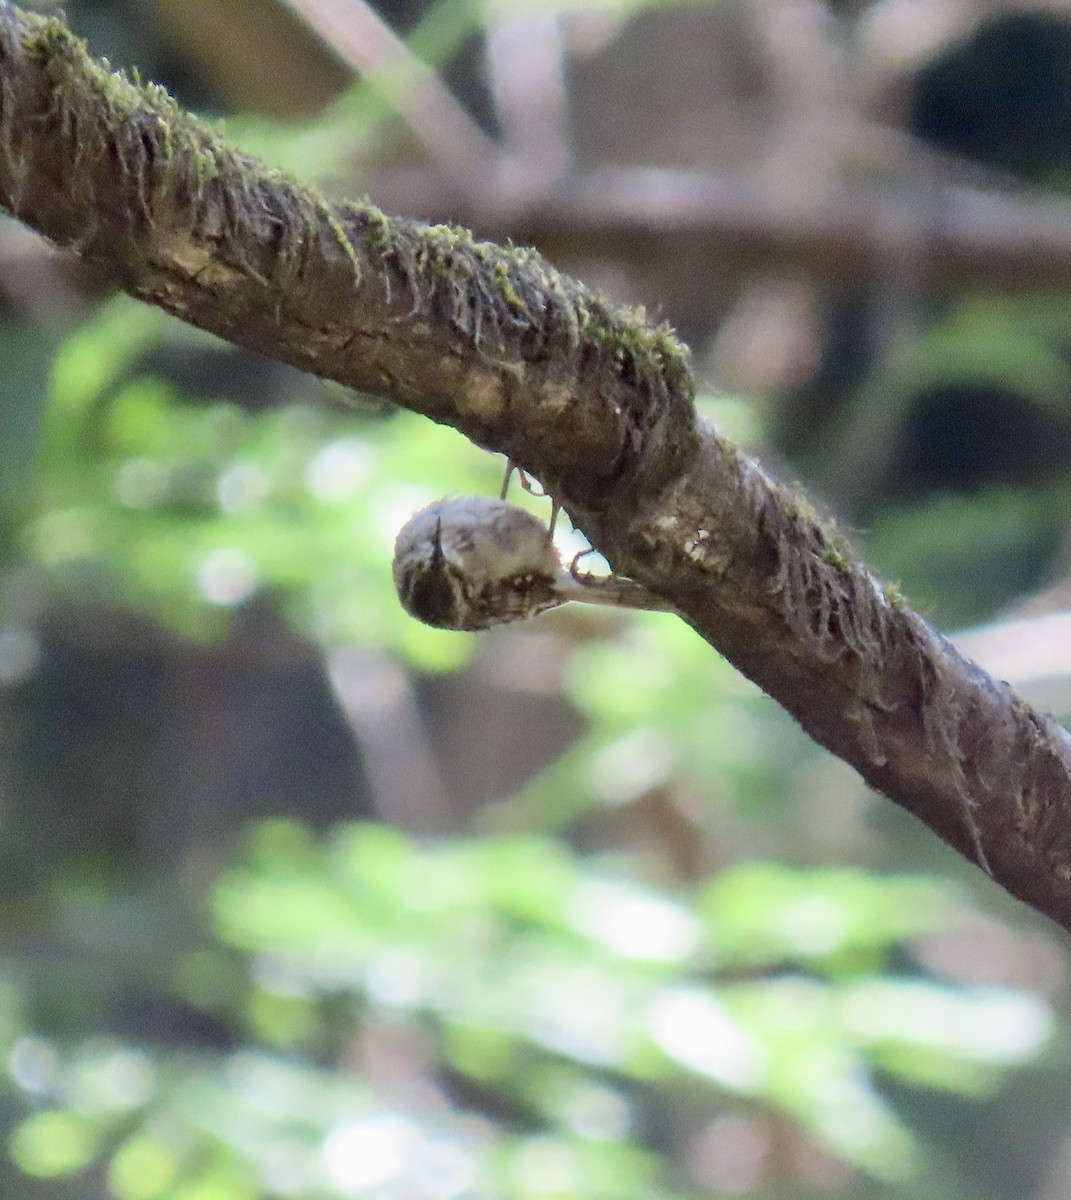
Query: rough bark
{"points": [[588, 397]]}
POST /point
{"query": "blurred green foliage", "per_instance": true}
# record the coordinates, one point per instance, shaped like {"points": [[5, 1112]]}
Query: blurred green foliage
{"points": [[190, 509], [570, 997], [966, 428]]}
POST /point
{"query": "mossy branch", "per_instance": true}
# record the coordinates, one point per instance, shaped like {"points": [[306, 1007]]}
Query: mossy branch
{"points": [[588, 397]]}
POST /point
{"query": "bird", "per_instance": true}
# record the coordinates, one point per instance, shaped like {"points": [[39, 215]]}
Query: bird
{"points": [[471, 563]]}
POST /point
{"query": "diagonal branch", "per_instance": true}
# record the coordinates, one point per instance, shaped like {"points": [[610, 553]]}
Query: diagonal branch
{"points": [[588, 397]]}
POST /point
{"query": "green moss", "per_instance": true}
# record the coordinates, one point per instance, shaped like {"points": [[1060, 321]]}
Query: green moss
{"points": [[178, 166], [184, 181], [376, 222], [508, 290], [895, 596], [343, 238]]}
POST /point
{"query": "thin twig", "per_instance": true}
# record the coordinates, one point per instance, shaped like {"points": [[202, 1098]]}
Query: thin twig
{"points": [[365, 42]]}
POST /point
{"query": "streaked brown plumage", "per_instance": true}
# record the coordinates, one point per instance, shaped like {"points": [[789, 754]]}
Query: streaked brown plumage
{"points": [[471, 563]]}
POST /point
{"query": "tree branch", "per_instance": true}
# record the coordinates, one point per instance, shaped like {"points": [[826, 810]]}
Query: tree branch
{"points": [[953, 236], [588, 397]]}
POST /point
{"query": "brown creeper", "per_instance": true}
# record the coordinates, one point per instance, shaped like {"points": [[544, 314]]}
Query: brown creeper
{"points": [[472, 563]]}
